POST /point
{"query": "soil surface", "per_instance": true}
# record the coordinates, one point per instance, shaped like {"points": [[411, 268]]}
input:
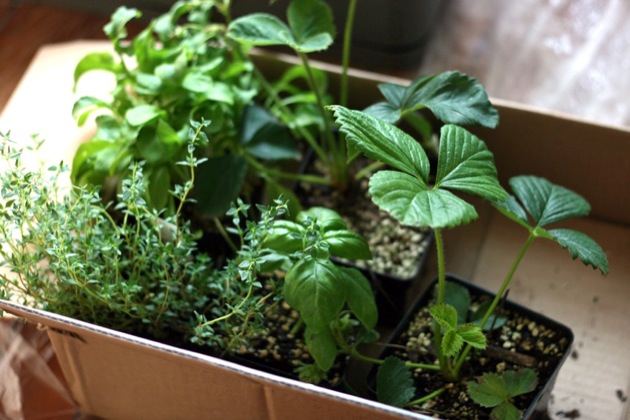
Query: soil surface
{"points": [[522, 342], [396, 250]]}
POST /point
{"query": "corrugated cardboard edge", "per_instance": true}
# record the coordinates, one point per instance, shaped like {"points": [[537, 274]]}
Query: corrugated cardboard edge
{"points": [[192, 384]]}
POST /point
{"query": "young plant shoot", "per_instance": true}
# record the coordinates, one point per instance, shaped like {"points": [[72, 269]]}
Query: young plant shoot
{"points": [[464, 165]]}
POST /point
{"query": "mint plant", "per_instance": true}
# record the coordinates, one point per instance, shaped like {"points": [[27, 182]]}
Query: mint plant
{"points": [[180, 67], [465, 165]]}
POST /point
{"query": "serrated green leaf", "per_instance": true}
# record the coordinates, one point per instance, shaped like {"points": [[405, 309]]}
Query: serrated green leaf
{"points": [[445, 315], [451, 343], [513, 210], [313, 288], [506, 411], [395, 95], [322, 346], [465, 164], [583, 247], [548, 202], [394, 383], [384, 112], [472, 335], [384, 142], [488, 391], [410, 203], [520, 382], [359, 296], [347, 244], [454, 98]]}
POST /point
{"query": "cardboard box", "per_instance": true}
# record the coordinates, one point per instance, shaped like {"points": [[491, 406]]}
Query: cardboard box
{"points": [[135, 378]]}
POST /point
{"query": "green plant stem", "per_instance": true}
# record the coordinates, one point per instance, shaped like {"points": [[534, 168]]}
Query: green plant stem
{"points": [[445, 363], [278, 174], [345, 61], [368, 169], [426, 397], [225, 235], [271, 92], [336, 148], [229, 314], [297, 327], [353, 352], [498, 297], [439, 245]]}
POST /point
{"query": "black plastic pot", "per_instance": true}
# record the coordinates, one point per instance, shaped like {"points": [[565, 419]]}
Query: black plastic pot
{"points": [[538, 406], [391, 292]]}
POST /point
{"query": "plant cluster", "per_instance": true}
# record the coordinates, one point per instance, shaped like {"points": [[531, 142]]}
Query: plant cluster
{"points": [[129, 267], [131, 259], [464, 165], [123, 265]]}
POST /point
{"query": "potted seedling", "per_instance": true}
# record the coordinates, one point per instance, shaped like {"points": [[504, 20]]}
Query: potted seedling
{"points": [[452, 342], [192, 62], [452, 97], [126, 266]]}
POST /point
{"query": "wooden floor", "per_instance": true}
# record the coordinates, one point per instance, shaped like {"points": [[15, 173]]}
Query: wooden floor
{"points": [[24, 27]]}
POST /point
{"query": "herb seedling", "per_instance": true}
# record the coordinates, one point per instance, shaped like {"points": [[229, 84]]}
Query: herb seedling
{"points": [[464, 165], [180, 67], [126, 266], [451, 96], [323, 292]]}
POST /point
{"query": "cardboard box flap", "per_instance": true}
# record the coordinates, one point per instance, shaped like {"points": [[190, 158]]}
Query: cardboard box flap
{"points": [[189, 382]]}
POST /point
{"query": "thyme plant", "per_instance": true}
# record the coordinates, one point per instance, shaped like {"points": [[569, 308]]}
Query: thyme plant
{"points": [[123, 265]]}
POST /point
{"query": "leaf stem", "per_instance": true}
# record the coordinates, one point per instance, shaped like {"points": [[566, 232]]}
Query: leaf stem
{"points": [[271, 92], [426, 397], [353, 352], [445, 363], [347, 38], [278, 174], [499, 295]]}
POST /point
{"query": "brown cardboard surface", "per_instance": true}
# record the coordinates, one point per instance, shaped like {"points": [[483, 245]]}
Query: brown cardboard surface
{"points": [[595, 307], [119, 376], [592, 159]]}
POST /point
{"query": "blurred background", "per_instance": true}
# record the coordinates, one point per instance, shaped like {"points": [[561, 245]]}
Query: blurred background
{"points": [[569, 56]]}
